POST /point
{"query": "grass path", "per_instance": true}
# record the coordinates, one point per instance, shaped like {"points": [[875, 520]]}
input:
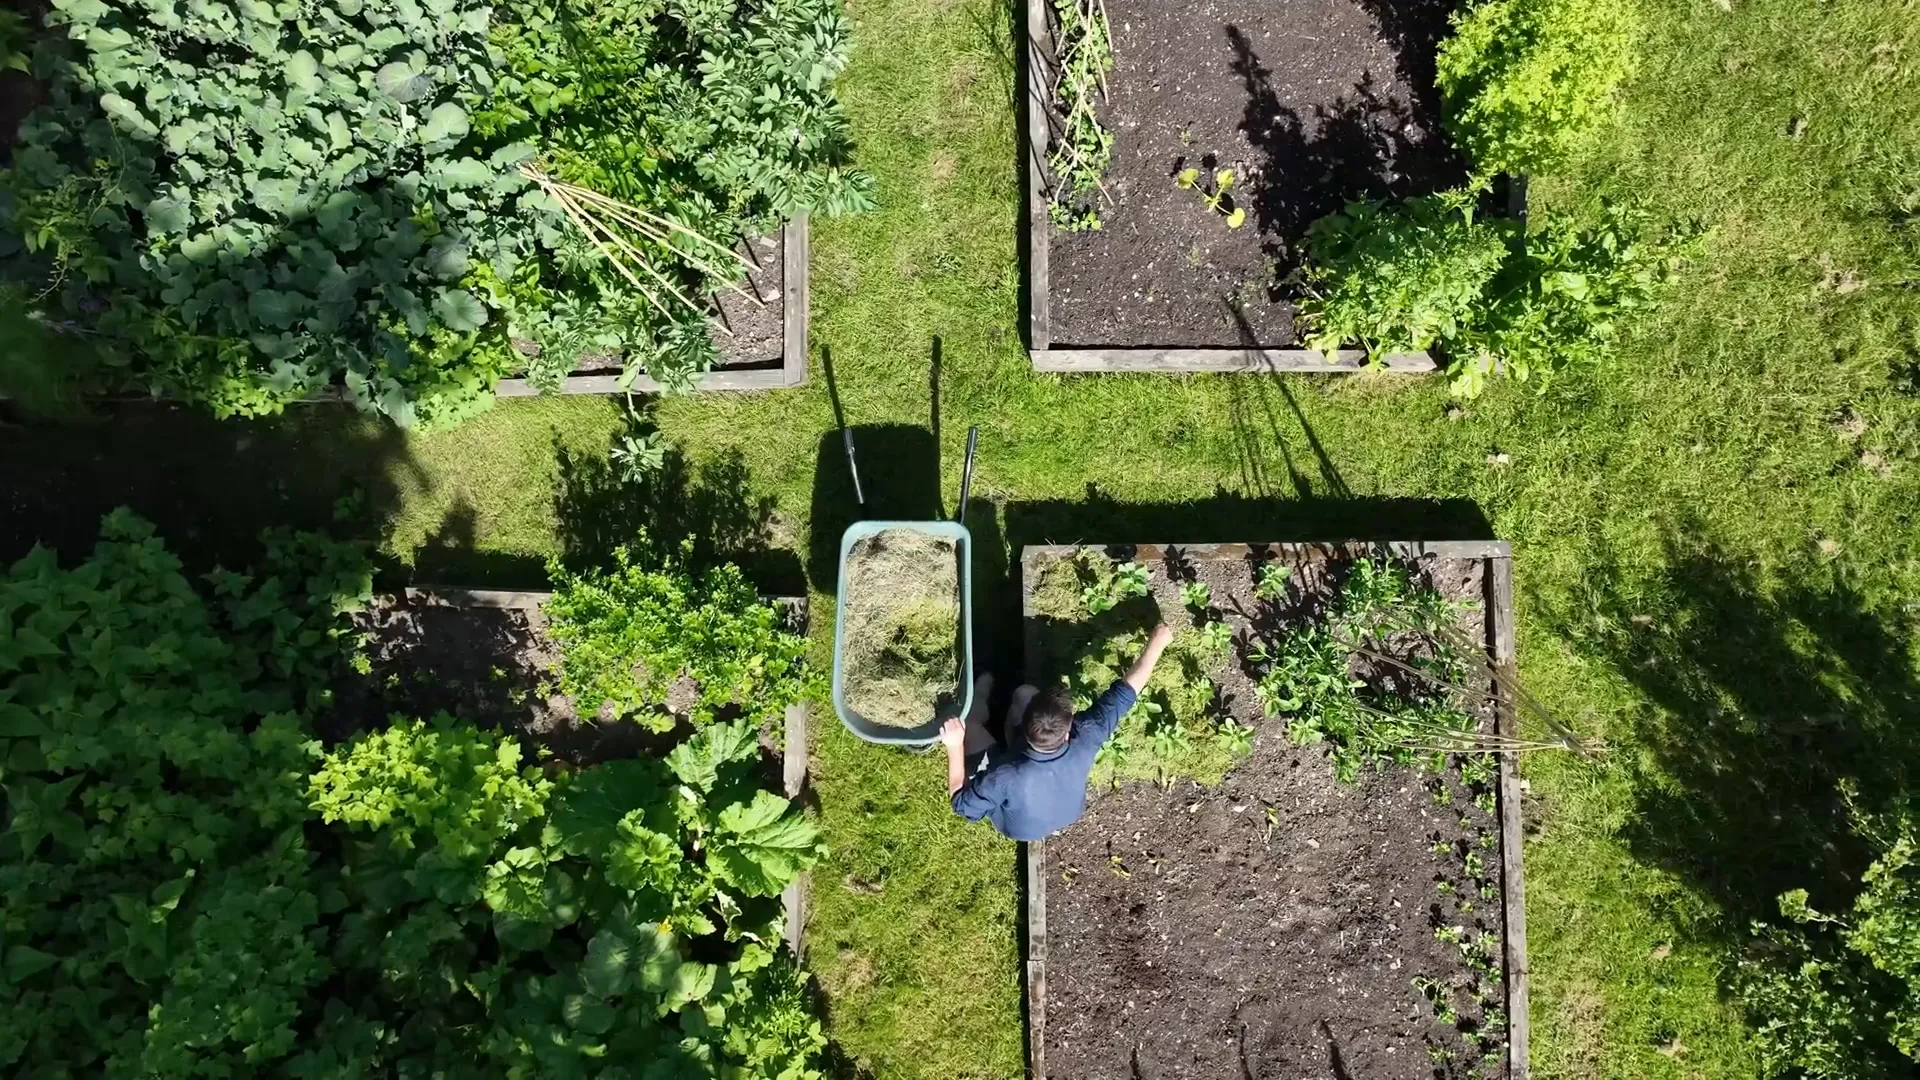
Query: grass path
{"points": [[1715, 564]]}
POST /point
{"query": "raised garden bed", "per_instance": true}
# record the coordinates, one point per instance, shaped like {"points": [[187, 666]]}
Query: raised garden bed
{"points": [[1309, 103], [768, 347], [1277, 921], [483, 655]]}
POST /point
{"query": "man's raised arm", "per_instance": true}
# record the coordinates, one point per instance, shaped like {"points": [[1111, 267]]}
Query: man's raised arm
{"points": [[1143, 667]]}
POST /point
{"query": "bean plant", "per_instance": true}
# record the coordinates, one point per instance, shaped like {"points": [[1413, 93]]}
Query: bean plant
{"points": [[1082, 147]]}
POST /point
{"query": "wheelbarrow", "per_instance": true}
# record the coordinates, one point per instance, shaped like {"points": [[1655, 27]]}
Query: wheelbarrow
{"points": [[961, 700]]}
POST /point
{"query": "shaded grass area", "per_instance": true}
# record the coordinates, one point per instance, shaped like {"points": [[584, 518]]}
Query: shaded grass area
{"points": [[1715, 563]]}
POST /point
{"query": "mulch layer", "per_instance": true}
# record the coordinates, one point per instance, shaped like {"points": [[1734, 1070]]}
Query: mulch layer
{"points": [[1273, 927], [1310, 102]]}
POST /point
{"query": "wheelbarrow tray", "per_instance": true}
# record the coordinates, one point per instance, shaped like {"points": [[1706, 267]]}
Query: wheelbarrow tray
{"points": [[962, 698]]}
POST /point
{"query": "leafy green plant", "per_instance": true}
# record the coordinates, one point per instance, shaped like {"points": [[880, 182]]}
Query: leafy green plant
{"points": [[1427, 274], [1234, 737], [417, 190], [1216, 636], [1526, 82], [1270, 581], [153, 754], [637, 456], [1217, 199], [1837, 996], [1083, 148], [1107, 583], [416, 901], [633, 634], [1398, 277], [1196, 595], [1566, 294]]}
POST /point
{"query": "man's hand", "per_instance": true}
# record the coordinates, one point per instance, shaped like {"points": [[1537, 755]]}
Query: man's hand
{"points": [[953, 734], [1143, 668]]}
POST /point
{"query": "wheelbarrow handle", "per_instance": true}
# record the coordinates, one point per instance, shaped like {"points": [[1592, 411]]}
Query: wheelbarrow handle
{"points": [[966, 475], [853, 468]]}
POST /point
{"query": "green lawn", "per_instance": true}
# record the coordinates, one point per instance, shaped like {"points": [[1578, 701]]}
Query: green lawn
{"points": [[1713, 536]]}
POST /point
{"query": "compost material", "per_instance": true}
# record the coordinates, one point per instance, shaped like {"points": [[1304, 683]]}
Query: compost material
{"points": [[1273, 926], [902, 629], [1311, 103]]}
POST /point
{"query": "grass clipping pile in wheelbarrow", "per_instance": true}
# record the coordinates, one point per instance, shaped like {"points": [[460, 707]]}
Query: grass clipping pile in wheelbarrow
{"points": [[902, 661]]}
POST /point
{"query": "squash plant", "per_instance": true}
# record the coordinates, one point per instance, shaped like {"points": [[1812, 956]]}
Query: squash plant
{"points": [[254, 199]]}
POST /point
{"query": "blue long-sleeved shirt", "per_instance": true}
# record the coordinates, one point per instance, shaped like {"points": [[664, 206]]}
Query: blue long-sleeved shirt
{"points": [[1027, 795]]}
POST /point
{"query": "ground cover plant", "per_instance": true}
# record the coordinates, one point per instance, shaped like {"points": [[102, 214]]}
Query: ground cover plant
{"points": [[1370, 669], [417, 200], [425, 896]]}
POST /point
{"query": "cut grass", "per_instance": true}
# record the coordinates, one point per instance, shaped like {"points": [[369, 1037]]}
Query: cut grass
{"points": [[1713, 537]]}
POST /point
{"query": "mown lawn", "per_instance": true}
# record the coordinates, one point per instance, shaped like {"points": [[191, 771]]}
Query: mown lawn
{"points": [[1715, 565]]}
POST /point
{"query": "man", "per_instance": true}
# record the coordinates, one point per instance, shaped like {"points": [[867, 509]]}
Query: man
{"points": [[1037, 784]]}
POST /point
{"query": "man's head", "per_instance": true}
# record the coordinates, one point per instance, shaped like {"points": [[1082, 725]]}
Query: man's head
{"points": [[1049, 720]]}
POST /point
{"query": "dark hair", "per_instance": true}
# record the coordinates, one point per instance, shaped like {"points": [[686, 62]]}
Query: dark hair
{"points": [[1049, 719]]}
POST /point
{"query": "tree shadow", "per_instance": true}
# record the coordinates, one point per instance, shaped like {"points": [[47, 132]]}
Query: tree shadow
{"points": [[450, 556], [1415, 28], [1765, 699], [1366, 144], [210, 486], [712, 506]]}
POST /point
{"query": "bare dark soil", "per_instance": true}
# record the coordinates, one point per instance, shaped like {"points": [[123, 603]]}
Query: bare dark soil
{"points": [[759, 330], [1311, 103], [493, 666], [1272, 927]]}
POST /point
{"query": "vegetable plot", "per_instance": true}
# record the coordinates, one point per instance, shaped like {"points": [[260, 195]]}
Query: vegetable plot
{"points": [[256, 200], [1302, 841], [420, 899]]}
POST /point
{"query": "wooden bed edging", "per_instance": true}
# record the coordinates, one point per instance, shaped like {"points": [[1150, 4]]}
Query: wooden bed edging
{"points": [[1497, 585], [1047, 356], [1309, 361], [794, 743], [794, 241]]}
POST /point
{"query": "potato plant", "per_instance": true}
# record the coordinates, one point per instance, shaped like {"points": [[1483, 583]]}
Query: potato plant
{"points": [[632, 634]]}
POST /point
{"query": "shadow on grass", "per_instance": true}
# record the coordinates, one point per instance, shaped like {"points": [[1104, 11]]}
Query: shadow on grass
{"points": [[210, 486], [1767, 698], [713, 505], [899, 477]]}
